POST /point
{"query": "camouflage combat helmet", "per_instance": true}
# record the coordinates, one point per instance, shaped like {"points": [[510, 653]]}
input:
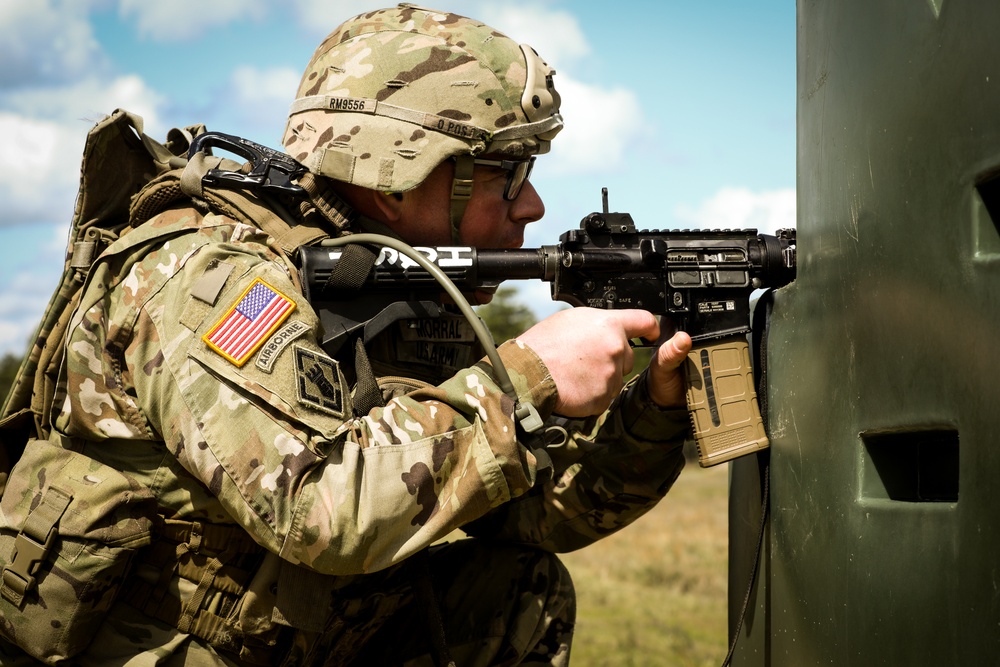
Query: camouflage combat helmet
{"points": [[391, 94]]}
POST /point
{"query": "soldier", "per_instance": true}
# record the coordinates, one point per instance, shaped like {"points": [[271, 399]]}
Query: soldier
{"points": [[294, 521]]}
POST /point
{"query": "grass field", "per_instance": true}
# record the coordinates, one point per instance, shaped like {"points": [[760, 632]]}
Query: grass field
{"points": [[655, 593]]}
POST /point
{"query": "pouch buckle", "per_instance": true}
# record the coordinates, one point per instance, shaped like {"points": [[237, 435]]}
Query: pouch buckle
{"points": [[19, 577]]}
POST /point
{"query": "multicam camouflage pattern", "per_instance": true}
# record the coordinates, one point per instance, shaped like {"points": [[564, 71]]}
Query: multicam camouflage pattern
{"points": [[522, 613], [392, 93], [222, 444], [260, 455], [97, 518], [102, 208]]}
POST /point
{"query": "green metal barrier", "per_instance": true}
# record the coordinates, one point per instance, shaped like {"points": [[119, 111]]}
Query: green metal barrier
{"points": [[883, 542]]}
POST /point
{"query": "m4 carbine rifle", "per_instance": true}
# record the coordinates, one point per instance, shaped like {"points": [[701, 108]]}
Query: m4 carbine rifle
{"points": [[701, 280]]}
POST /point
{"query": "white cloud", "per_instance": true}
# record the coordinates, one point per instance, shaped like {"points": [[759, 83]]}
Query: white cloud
{"points": [[38, 175], [22, 311], [45, 40], [320, 17], [89, 99], [259, 99], [25, 293], [181, 20], [602, 125], [556, 35], [740, 207], [44, 138], [251, 83]]}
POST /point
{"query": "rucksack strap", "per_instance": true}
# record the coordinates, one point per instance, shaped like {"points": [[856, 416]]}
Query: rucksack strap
{"points": [[306, 221], [218, 562]]}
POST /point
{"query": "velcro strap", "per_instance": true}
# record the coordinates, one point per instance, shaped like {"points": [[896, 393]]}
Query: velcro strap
{"points": [[86, 250], [205, 585], [211, 537], [351, 270], [167, 608], [522, 130], [461, 192], [84, 253], [326, 201]]}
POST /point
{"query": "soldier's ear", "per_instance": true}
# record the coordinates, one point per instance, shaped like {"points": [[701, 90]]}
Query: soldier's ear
{"points": [[390, 204]]}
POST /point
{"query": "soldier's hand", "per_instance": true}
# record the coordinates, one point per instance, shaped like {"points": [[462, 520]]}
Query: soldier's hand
{"points": [[587, 352], [666, 378]]}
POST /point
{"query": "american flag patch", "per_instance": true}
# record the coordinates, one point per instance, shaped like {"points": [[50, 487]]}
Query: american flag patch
{"points": [[258, 313]]}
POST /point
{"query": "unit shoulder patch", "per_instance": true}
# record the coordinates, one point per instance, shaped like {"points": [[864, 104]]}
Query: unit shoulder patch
{"points": [[250, 321], [319, 381]]}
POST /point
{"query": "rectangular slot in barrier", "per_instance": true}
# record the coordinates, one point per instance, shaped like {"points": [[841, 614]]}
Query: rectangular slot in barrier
{"points": [[912, 465], [988, 188], [986, 215]]}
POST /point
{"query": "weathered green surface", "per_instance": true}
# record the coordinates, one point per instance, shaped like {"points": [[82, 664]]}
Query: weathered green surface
{"points": [[882, 547]]}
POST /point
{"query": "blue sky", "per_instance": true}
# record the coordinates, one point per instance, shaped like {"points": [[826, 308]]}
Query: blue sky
{"points": [[685, 111]]}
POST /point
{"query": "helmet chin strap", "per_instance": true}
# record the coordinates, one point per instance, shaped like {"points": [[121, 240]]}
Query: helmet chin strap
{"points": [[461, 192]]}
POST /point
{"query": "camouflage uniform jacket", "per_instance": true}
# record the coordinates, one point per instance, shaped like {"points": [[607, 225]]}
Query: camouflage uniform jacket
{"points": [[270, 443]]}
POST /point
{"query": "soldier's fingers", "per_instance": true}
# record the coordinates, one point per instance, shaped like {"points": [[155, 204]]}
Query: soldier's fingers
{"points": [[638, 324]]}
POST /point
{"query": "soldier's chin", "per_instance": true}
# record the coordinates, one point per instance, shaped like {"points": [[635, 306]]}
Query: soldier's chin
{"points": [[477, 297], [483, 295]]}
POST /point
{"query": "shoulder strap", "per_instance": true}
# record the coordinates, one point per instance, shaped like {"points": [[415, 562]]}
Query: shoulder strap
{"points": [[312, 219]]}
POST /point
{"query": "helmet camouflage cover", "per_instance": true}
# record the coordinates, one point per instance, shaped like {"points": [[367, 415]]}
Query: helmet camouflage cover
{"points": [[391, 94]]}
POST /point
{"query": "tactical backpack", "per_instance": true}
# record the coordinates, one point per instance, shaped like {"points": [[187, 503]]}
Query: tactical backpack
{"points": [[70, 526], [117, 147], [125, 179]]}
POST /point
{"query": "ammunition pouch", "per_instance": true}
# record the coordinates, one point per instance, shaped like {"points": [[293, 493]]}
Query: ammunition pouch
{"points": [[77, 536], [69, 528]]}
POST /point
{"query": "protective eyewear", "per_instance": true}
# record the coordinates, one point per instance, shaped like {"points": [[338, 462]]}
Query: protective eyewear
{"points": [[518, 172]]}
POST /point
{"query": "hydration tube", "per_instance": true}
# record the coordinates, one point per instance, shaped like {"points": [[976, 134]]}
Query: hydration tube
{"points": [[526, 413]]}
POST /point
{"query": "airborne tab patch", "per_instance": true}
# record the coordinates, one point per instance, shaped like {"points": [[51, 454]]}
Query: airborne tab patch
{"points": [[279, 341], [318, 380], [258, 312]]}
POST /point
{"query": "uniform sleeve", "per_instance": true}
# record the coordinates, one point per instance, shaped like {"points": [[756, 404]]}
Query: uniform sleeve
{"points": [[608, 472], [263, 417]]}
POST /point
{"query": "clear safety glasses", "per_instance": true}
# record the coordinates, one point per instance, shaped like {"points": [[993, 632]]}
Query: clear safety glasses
{"points": [[518, 172]]}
